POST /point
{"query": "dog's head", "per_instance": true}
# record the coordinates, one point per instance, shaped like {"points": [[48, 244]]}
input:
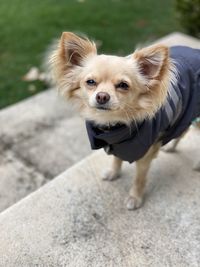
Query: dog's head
{"points": [[109, 89]]}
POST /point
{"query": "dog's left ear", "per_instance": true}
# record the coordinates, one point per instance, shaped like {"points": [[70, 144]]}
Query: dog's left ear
{"points": [[152, 62]]}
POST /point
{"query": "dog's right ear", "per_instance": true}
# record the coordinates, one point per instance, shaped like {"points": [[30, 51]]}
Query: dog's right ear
{"points": [[74, 49]]}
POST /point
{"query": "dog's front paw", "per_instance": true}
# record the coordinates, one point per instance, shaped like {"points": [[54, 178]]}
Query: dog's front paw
{"points": [[133, 203], [110, 175]]}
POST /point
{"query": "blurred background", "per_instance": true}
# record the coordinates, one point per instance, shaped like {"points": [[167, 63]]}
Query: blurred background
{"points": [[28, 27]]}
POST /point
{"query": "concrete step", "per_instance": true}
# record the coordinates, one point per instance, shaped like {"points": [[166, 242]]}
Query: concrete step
{"points": [[78, 220], [40, 138], [178, 38]]}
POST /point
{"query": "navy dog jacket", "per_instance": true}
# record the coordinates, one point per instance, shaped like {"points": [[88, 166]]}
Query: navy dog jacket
{"points": [[182, 106]]}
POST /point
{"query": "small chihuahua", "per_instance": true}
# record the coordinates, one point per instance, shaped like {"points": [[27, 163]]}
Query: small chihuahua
{"points": [[132, 105]]}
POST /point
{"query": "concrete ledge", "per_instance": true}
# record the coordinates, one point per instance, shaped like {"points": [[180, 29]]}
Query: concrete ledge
{"points": [[77, 220], [178, 38], [40, 138]]}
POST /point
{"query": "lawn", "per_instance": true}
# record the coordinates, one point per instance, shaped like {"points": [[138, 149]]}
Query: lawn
{"points": [[27, 28]]}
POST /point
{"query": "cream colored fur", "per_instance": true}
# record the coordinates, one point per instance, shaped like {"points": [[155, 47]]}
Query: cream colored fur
{"points": [[147, 73]]}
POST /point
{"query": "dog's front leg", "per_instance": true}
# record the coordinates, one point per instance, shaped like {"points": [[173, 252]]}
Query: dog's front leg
{"points": [[114, 171], [142, 166]]}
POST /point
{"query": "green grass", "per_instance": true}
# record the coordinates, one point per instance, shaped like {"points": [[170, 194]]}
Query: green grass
{"points": [[27, 28]]}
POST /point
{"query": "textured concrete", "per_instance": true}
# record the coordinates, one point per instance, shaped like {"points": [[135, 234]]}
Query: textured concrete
{"points": [[40, 138], [77, 220], [16, 179], [53, 151], [32, 115]]}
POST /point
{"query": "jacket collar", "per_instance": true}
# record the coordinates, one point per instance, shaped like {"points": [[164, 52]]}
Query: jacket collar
{"points": [[111, 134]]}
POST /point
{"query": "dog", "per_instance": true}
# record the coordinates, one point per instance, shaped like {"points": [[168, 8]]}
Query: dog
{"points": [[132, 105]]}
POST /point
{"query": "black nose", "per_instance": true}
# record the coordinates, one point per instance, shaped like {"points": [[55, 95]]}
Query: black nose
{"points": [[102, 98]]}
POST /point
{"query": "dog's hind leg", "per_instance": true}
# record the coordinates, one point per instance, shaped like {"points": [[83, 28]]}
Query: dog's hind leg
{"points": [[142, 166], [171, 148], [196, 165]]}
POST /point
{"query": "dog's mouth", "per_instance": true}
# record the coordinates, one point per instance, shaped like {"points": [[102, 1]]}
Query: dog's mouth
{"points": [[103, 108]]}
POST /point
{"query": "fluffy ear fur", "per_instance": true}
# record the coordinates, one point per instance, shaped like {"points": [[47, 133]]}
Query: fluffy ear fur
{"points": [[66, 61], [152, 62], [75, 49], [155, 71]]}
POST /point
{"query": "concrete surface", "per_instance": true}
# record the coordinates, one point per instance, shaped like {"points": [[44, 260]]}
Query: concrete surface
{"points": [[16, 179], [77, 220], [40, 138]]}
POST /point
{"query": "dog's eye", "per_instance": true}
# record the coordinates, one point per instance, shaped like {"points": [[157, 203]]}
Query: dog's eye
{"points": [[123, 85], [91, 82]]}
